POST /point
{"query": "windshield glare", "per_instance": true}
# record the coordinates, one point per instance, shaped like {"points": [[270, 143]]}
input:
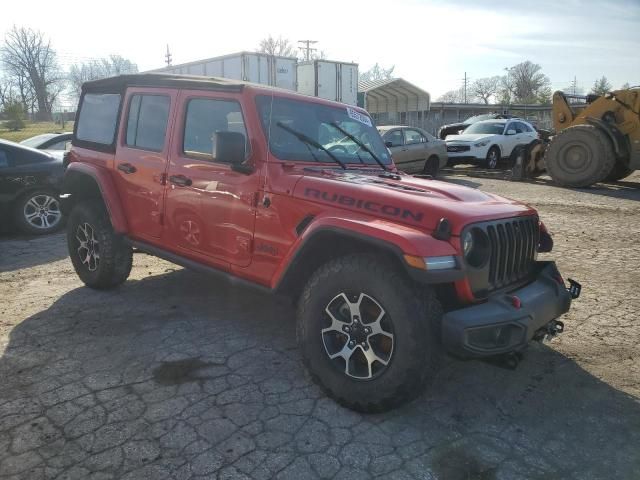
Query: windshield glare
{"points": [[315, 120], [488, 127]]}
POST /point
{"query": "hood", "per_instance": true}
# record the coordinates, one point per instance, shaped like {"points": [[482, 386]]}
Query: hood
{"points": [[404, 199], [469, 137]]}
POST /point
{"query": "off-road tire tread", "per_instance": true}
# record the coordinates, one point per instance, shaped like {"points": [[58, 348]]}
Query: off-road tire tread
{"points": [[116, 257], [427, 308], [619, 171], [607, 161]]}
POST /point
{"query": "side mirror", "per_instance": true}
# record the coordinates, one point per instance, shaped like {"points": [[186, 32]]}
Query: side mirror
{"points": [[388, 144], [511, 132], [231, 147]]}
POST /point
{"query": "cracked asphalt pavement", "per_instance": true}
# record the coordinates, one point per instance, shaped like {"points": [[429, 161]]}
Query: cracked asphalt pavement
{"points": [[175, 375]]}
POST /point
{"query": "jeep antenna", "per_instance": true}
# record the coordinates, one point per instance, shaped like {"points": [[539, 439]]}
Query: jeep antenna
{"points": [[168, 56], [307, 48]]}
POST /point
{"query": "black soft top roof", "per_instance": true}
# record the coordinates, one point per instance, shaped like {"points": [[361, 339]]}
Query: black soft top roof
{"points": [[119, 83]]}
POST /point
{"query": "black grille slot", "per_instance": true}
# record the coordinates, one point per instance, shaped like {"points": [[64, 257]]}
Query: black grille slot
{"points": [[513, 245]]}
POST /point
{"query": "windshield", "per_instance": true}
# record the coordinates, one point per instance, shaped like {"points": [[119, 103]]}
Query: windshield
{"points": [[479, 118], [35, 142], [296, 130], [486, 127]]}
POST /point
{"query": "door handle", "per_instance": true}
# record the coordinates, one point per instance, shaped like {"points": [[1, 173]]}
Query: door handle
{"points": [[127, 168], [180, 180]]}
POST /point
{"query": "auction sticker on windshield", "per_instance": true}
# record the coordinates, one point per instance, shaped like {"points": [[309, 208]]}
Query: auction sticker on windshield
{"points": [[358, 116]]}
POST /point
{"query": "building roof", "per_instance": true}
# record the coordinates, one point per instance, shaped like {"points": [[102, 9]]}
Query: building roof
{"points": [[395, 94]]}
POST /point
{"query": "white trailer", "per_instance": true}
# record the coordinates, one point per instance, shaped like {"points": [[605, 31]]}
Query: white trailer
{"points": [[247, 66], [331, 80]]}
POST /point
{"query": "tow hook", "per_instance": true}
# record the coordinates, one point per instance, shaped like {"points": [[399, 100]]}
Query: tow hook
{"points": [[550, 330], [574, 288]]}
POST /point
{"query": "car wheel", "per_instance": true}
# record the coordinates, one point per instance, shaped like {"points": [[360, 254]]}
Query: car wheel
{"points": [[38, 212], [493, 157], [100, 257], [432, 166], [366, 333]]}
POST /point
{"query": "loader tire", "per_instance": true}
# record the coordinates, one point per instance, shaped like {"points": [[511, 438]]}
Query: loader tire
{"points": [[619, 171], [580, 156]]}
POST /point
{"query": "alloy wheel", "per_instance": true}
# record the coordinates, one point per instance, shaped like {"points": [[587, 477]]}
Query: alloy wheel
{"points": [[359, 339], [89, 247], [42, 211]]}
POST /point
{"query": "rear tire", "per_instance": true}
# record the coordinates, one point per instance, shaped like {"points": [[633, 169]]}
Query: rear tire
{"points": [[580, 156], [100, 257], [38, 212], [361, 292], [432, 166]]}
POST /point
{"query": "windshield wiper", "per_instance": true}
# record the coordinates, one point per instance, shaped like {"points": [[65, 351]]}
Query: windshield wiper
{"points": [[310, 141], [361, 145]]}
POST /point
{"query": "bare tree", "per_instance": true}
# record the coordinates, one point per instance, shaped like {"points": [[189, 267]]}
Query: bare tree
{"points": [[601, 86], [452, 96], [281, 47], [525, 83], [377, 72], [625, 86], [28, 57], [95, 69], [485, 88]]}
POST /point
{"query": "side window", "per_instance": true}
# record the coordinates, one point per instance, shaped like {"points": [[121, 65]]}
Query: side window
{"points": [[520, 127], [147, 121], [98, 118], [395, 137], [4, 159], [413, 136], [204, 118]]}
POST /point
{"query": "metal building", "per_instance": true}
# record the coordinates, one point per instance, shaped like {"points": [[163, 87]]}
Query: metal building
{"points": [[394, 101]]}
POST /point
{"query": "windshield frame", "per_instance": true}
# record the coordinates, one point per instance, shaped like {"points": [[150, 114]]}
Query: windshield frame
{"points": [[347, 115]]}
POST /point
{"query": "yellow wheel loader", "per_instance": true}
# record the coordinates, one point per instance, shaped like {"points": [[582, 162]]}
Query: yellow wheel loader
{"points": [[596, 140]]}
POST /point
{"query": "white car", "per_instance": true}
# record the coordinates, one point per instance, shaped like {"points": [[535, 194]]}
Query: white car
{"points": [[489, 141]]}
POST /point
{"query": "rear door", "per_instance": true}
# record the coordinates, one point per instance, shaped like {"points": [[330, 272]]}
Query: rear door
{"points": [[210, 208], [141, 158], [416, 146], [395, 142]]}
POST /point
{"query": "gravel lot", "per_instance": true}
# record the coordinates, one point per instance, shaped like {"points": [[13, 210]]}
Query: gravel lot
{"points": [[175, 375]]}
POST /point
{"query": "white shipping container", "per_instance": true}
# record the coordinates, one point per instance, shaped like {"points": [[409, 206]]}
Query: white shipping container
{"points": [[247, 66], [331, 80]]}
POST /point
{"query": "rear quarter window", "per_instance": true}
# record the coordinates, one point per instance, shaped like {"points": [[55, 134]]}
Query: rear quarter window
{"points": [[98, 118]]}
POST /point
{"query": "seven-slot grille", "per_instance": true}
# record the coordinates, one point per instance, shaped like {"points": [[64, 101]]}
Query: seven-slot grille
{"points": [[514, 242]]}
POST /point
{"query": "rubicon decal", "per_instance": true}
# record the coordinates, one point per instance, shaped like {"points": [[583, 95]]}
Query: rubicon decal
{"points": [[368, 205]]}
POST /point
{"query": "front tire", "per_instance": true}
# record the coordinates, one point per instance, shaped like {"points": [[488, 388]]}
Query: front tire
{"points": [[619, 171], [580, 156], [366, 333], [492, 159], [100, 257]]}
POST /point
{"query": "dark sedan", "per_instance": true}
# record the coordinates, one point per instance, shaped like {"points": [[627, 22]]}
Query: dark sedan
{"points": [[456, 128], [29, 187]]}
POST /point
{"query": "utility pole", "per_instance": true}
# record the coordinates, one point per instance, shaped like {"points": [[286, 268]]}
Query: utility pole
{"points": [[465, 81], [574, 85], [307, 48], [168, 57]]}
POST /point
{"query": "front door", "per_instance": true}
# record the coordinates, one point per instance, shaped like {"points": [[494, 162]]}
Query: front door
{"points": [[395, 141], [210, 208], [141, 158]]}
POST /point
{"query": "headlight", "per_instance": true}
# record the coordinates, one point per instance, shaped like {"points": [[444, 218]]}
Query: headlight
{"points": [[475, 247], [481, 144], [467, 243]]}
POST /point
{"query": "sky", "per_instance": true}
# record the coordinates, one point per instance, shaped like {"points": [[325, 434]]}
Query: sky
{"points": [[432, 43]]}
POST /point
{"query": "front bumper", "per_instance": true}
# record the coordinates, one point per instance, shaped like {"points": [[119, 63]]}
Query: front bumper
{"points": [[506, 322]]}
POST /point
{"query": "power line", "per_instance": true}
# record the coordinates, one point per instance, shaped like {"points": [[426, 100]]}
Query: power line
{"points": [[307, 48]]}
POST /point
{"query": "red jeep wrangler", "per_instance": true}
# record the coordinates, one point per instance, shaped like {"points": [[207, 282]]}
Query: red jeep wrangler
{"points": [[298, 195]]}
